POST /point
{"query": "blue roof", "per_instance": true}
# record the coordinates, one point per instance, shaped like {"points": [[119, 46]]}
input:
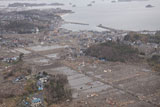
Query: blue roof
{"points": [[26, 103], [40, 88], [36, 100]]}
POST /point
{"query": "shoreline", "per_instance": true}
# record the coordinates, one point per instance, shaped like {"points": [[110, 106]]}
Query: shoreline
{"points": [[62, 15]]}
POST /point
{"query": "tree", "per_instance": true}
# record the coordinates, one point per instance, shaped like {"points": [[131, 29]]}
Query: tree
{"points": [[57, 89], [21, 56]]}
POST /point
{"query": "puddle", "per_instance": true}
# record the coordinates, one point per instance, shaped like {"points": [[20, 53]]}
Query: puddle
{"points": [[98, 76], [90, 73], [75, 76], [39, 60], [97, 89], [45, 48], [75, 95], [80, 81], [53, 56], [90, 85], [146, 70], [21, 50], [65, 70]]}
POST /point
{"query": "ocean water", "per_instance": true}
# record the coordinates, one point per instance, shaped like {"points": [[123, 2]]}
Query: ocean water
{"points": [[119, 15]]}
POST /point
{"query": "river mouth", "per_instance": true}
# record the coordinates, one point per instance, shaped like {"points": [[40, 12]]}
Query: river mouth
{"points": [[113, 14]]}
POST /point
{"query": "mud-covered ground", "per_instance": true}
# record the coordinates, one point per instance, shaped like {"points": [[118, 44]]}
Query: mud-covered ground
{"points": [[94, 82]]}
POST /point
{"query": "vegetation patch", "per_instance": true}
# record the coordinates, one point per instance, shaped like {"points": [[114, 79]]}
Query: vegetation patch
{"points": [[22, 27], [57, 89], [112, 51], [16, 71], [30, 86], [154, 61], [145, 38]]}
